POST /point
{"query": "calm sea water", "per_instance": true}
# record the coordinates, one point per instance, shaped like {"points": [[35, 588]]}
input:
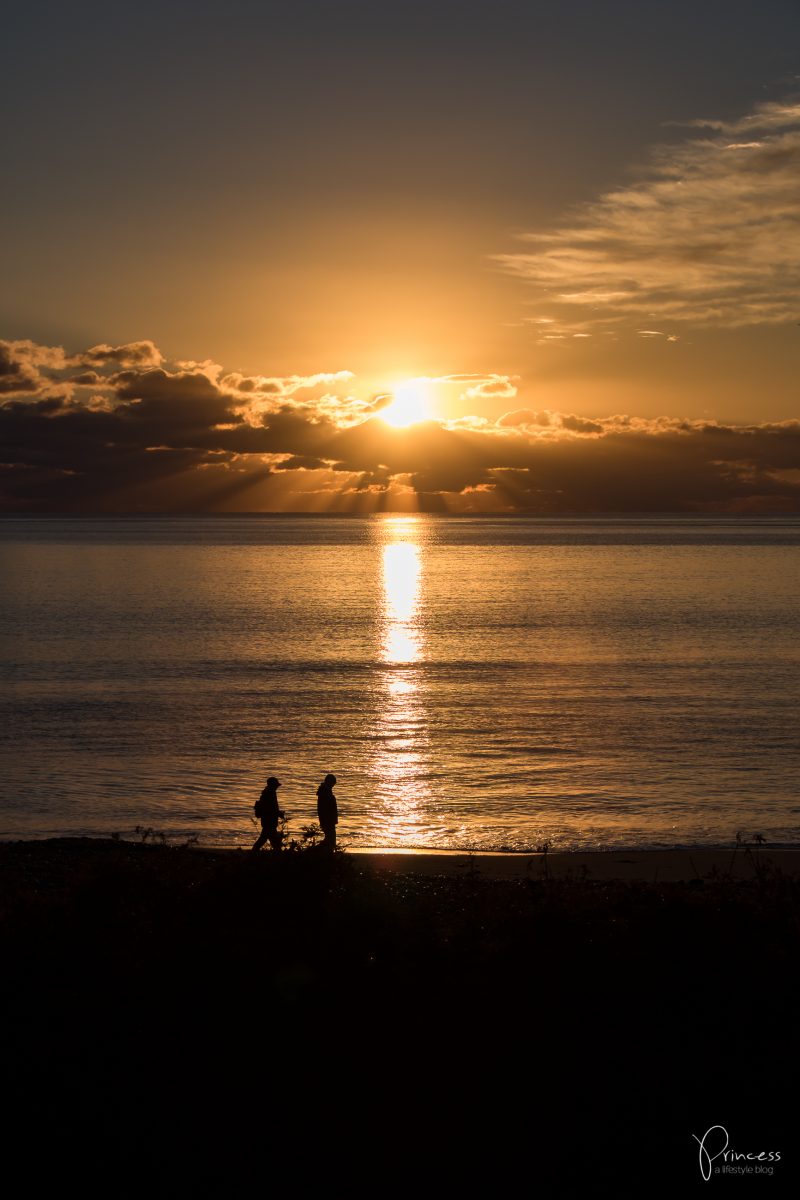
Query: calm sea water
{"points": [[484, 683]]}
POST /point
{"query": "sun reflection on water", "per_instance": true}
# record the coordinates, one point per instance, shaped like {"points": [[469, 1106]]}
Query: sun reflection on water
{"points": [[402, 633], [400, 766]]}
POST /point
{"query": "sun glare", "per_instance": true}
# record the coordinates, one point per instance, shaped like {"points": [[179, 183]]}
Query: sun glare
{"points": [[410, 404]]}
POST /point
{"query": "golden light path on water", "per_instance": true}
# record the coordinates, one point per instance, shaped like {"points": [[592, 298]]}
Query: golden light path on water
{"points": [[402, 577], [403, 812]]}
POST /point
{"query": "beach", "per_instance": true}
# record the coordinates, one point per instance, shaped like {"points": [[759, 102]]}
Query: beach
{"points": [[737, 863], [434, 1005], [647, 866]]}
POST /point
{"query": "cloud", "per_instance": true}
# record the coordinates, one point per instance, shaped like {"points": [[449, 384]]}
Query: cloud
{"points": [[288, 385], [179, 437], [525, 417], [140, 436], [707, 233], [16, 375], [551, 423], [492, 387], [132, 354], [572, 464], [580, 424], [25, 366]]}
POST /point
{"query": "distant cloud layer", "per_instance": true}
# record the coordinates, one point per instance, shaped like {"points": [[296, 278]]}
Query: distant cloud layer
{"points": [[708, 233], [119, 428]]}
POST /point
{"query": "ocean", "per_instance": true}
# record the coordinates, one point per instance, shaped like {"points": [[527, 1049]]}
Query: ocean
{"points": [[490, 683]]}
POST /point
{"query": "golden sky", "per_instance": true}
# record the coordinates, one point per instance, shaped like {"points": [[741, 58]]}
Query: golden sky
{"points": [[559, 232]]}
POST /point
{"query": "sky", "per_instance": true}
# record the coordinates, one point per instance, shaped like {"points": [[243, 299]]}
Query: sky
{"points": [[243, 242]]}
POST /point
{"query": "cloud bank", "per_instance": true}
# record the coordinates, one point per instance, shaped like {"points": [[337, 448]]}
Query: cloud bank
{"points": [[709, 233], [120, 429]]}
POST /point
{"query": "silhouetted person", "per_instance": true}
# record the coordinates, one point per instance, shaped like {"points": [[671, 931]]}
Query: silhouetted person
{"points": [[266, 808], [328, 812]]}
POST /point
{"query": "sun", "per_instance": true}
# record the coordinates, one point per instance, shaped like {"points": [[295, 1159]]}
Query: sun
{"points": [[410, 404]]}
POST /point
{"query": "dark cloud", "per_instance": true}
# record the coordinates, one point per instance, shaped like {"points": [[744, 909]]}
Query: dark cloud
{"points": [[161, 439], [16, 375], [580, 424], [88, 379]]}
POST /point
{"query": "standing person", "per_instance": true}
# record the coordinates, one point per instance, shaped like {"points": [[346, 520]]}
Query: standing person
{"points": [[328, 812], [266, 808]]}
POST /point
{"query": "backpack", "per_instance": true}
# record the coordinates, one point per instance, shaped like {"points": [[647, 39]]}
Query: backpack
{"points": [[260, 807]]}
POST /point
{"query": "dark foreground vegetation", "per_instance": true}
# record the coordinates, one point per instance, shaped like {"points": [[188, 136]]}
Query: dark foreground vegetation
{"points": [[308, 1016]]}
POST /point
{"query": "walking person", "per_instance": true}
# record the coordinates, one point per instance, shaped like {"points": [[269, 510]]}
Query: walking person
{"points": [[266, 808], [328, 812]]}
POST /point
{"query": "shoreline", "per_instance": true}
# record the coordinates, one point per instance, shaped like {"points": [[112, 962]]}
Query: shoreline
{"points": [[650, 866], [675, 865]]}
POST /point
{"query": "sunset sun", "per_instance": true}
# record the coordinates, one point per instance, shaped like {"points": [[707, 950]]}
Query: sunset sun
{"points": [[410, 404]]}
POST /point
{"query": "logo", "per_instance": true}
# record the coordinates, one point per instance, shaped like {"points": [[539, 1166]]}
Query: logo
{"points": [[715, 1148]]}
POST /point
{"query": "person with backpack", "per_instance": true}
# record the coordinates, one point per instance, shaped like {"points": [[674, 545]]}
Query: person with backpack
{"points": [[328, 812], [267, 810]]}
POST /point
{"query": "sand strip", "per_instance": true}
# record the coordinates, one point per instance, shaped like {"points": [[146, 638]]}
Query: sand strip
{"points": [[660, 866]]}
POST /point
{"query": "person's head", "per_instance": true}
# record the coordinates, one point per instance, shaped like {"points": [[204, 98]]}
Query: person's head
{"points": [[273, 783], [330, 780]]}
